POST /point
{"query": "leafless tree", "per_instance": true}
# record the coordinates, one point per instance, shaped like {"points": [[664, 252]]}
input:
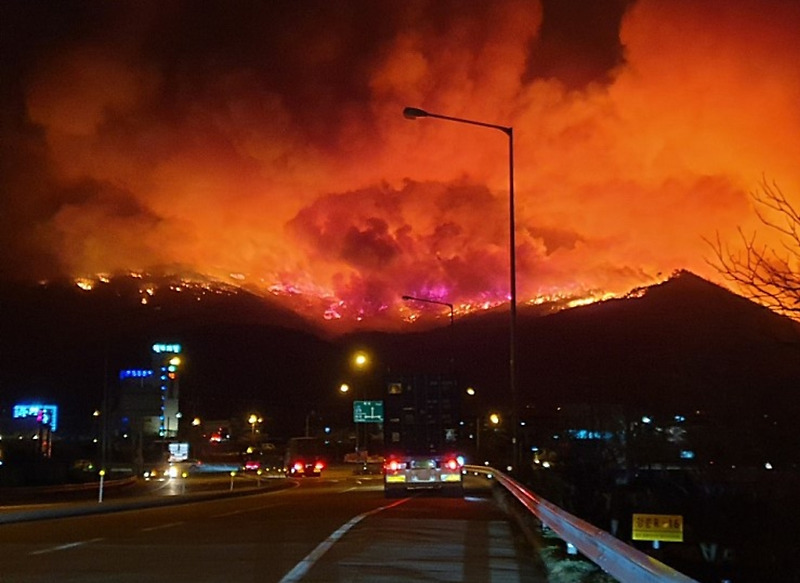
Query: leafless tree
{"points": [[765, 274]]}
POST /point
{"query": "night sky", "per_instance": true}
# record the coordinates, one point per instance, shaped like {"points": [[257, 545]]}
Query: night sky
{"points": [[263, 144]]}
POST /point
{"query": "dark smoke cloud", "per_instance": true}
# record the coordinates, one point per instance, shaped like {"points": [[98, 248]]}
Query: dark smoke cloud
{"points": [[264, 142]]}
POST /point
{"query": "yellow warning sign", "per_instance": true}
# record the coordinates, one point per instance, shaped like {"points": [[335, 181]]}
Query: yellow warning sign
{"points": [[661, 527]]}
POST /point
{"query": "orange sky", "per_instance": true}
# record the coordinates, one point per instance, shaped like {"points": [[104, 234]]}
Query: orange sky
{"points": [[273, 147]]}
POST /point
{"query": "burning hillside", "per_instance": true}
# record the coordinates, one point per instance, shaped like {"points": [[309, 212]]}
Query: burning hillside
{"points": [[147, 289], [264, 146]]}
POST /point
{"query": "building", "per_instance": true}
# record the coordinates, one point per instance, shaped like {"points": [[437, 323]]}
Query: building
{"points": [[149, 399]]}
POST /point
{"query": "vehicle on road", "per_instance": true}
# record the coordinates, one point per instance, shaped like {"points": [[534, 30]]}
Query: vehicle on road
{"points": [[421, 445], [173, 469], [269, 463], [305, 457]]}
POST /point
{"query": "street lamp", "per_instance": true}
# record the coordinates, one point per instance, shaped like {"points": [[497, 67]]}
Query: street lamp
{"points": [[253, 420], [427, 301], [452, 320], [360, 362], [414, 113]]}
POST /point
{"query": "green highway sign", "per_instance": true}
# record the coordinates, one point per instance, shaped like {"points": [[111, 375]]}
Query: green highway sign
{"points": [[368, 411]]}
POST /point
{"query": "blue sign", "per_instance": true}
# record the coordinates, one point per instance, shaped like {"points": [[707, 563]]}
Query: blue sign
{"points": [[134, 373], [44, 414]]}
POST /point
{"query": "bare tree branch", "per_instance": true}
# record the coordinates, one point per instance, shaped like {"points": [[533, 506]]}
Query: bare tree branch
{"points": [[764, 274]]}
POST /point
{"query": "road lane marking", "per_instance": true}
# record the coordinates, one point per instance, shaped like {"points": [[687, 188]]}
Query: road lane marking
{"points": [[300, 569], [269, 506], [248, 510], [64, 547], [160, 526], [231, 513]]}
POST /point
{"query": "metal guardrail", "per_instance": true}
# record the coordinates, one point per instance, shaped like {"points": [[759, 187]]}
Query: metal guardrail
{"points": [[625, 563]]}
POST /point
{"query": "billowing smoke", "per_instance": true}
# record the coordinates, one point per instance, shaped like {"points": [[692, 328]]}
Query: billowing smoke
{"points": [[267, 141]]}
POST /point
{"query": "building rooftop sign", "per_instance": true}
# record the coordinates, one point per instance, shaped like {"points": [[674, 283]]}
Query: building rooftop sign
{"points": [[44, 414], [134, 373], [168, 348]]}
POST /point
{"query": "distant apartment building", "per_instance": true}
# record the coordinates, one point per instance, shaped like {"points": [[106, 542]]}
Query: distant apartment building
{"points": [[148, 401]]}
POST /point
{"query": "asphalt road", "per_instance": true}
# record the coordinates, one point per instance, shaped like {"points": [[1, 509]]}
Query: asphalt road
{"points": [[338, 528]]}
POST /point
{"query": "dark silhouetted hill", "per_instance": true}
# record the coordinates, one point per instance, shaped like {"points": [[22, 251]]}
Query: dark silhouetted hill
{"points": [[683, 345]]}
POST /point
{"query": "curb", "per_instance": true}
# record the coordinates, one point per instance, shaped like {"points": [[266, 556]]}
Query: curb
{"points": [[86, 509]]}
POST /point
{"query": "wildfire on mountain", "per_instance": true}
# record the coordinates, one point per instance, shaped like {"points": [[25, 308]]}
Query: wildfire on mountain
{"points": [[264, 146], [316, 309]]}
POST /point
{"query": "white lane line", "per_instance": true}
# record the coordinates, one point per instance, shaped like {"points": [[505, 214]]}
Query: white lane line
{"points": [[231, 513], [269, 506], [160, 526], [65, 547], [248, 510], [300, 569]]}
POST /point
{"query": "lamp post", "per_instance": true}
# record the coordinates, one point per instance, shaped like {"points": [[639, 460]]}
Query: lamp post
{"points": [[360, 361], [452, 321], [254, 420], [414, 113], [427, 301]]}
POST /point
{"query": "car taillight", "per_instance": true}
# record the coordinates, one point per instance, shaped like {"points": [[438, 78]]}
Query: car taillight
{"points": [[452, 464], [298, 466], [318, 466], [394, 465]]}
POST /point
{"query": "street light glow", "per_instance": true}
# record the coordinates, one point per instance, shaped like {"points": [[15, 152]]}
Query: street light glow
{"points": [[360, 360]]}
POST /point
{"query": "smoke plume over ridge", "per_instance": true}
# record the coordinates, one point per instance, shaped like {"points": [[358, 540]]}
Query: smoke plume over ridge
{"points": [[267, 142]]}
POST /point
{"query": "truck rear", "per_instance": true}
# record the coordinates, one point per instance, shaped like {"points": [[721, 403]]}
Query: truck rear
{"points": [[304, 457], [421, 436]]}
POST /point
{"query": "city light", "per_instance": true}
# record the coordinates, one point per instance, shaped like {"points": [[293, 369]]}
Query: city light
{"points": [[168, 348], [44, 414], [360, 360], [135, 373]]}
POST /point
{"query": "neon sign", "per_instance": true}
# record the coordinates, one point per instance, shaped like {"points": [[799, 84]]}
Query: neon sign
{"points": [[44, 414], [134, 373], [170, 348]]}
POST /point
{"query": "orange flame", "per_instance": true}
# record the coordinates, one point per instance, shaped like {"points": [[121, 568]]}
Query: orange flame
{"points": [[283, 163]]}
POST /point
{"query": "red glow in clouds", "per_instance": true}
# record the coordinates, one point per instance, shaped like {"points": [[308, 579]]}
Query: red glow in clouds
{"points": [[268, 148]]}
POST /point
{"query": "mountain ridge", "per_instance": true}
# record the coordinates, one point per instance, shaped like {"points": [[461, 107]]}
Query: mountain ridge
{"points": [[684, 343]]}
